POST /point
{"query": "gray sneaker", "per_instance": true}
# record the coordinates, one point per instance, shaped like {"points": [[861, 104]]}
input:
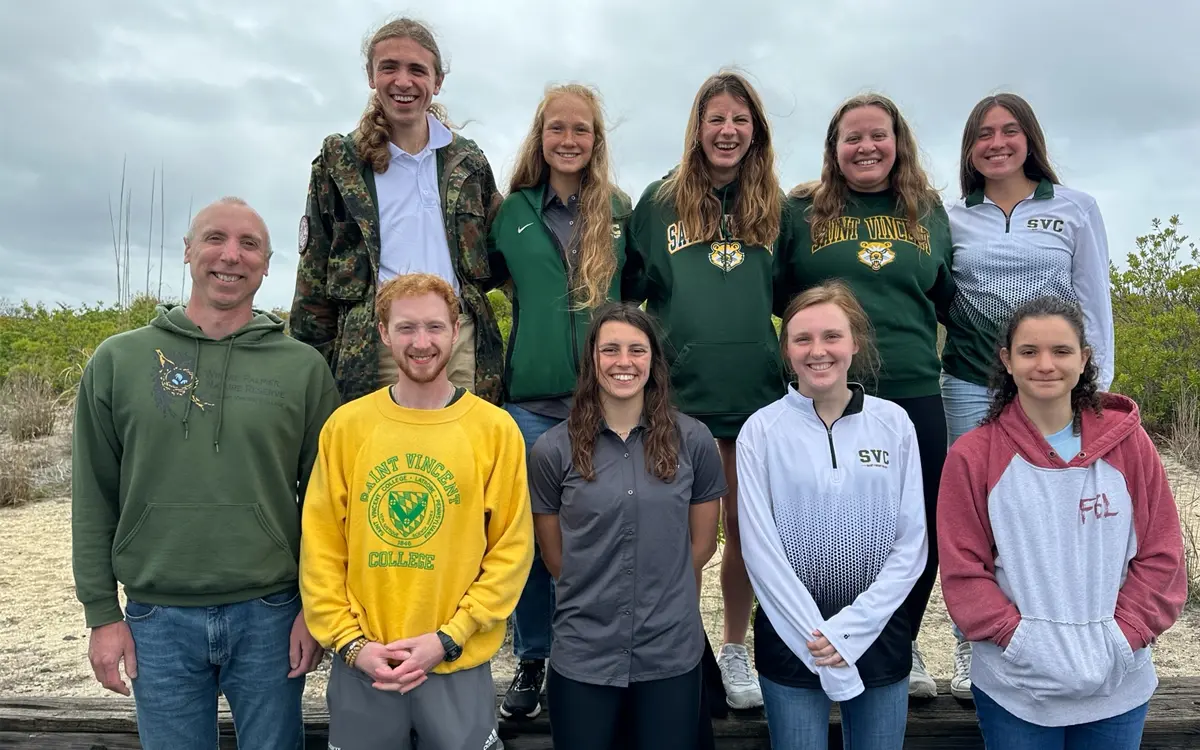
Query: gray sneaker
{"points": [[960, 684], [920, 684], [740, 681]]}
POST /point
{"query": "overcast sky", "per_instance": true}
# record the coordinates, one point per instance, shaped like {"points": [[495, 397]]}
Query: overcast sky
{"points": [[234, 97]]}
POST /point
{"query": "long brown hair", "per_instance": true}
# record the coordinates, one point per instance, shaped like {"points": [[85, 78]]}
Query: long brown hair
{"points": [[373, 132], [865, 365], [1085, 394], [1037, 160], [597, 262], [587, 413], [915, 196], [756, 212]]}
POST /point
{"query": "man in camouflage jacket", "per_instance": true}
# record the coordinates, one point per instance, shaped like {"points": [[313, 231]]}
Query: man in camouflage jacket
{"points": [[334, 305]]}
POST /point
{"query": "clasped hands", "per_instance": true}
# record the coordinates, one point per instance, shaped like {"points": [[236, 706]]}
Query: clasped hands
{"points": [[824, 652], [401, 666]]}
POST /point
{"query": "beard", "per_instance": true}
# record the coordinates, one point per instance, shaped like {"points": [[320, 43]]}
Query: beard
{"points": [[424, 373]]}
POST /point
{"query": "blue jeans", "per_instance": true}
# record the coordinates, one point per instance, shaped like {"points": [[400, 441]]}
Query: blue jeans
{"points": [[798, 718], [1003, 731], [535, 609], [185, 655], [966, 404]]}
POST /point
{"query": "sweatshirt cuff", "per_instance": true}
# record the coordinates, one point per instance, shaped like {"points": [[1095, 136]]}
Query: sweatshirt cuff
{"points": [[461, 627], [340, 643], [1135, 639], [1003, 637], [98, 614]]}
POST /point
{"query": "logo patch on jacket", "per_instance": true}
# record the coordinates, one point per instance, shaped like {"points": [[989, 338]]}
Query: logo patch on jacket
{"points": [[874, 457], [876, 255], [303, 234], [726, 255]]}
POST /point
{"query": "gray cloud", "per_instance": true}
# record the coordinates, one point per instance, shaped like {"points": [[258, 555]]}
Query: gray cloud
{"points": [[235, 97]]}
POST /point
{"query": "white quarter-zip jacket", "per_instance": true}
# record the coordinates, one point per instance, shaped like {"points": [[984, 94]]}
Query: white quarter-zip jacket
{"points": [[833, 534], [1054, 243]]}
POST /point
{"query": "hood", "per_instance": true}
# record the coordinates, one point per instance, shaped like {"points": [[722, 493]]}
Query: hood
{"points": [[1099, 435], [173, 319]]}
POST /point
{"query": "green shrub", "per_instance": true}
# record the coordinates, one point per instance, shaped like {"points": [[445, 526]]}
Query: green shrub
{"points": [[503, 310], [1156, 316], [56, 343]]}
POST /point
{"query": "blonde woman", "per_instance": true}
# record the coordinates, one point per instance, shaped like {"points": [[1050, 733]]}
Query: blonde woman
{"points": [[702, 256], [559, 238], [402, 193]]}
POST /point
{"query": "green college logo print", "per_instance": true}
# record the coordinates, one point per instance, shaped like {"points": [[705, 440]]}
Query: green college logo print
{"points": [[406, 509]]}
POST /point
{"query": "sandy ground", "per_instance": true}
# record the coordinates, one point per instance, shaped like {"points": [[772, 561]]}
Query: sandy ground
{"points": [[43, 641]]}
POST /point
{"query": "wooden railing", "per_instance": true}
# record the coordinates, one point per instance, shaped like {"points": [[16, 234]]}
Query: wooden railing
{"points": [[108, 724]]}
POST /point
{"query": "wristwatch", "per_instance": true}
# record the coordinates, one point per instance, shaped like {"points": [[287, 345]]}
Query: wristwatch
{"points": [[453, 650]]}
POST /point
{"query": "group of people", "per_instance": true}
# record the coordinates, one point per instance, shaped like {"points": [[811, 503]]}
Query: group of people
{"points": [[405, 482]]}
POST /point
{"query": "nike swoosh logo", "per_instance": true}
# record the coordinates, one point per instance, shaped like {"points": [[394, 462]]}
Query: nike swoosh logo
{"points": [[522, 229]]}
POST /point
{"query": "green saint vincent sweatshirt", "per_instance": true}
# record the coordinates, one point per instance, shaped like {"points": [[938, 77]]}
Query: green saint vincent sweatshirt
{"points": [[190, 460], [901, 279], [713, 298]]}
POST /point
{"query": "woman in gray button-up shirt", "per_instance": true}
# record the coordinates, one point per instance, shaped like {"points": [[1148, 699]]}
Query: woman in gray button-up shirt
{"points": [[622, 498]]}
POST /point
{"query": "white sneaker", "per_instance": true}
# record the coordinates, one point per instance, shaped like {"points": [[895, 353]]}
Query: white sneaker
{"points": [[920, 684], [960, 684], [741, 683]]}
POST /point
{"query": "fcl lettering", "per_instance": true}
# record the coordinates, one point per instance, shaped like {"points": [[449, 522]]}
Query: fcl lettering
{"points": [[1097, 507]]}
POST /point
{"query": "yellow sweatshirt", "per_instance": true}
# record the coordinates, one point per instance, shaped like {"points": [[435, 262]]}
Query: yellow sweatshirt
{"points": [[416, 520]]}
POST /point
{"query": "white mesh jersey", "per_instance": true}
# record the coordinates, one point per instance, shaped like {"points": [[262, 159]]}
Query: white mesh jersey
{"points": [[832, 521], [1053, 243]]}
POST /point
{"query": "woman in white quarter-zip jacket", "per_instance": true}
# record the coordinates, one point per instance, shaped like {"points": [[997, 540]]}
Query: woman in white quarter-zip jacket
{"points": [[1018, 234], [833, 535]]}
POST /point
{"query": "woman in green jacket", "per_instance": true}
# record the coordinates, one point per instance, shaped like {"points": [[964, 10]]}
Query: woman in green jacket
{"points": [[559, 240]]}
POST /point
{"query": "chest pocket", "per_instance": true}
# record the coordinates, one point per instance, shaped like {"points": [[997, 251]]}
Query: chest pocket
{"points": [[348, 273]]}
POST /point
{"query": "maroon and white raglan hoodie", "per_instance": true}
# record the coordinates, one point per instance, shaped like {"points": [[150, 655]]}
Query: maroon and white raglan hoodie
{"points": [[1061, 569]]}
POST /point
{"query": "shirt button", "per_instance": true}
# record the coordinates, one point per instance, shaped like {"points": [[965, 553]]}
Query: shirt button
{"points": [[631, 492], [629, 571], [626, 455]]}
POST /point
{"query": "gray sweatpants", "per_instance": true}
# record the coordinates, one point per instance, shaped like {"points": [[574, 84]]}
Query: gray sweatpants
{"points": [[448, 712]]}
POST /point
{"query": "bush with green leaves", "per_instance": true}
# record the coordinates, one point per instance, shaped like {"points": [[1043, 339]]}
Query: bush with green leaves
{"points": [[1156, 317]]}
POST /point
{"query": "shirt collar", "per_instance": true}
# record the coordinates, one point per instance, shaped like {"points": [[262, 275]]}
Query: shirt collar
{"points": [[549, 196], [439, 137], [804, 404]]}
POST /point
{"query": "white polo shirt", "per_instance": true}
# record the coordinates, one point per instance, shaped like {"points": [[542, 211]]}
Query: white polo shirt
{"points": [[412, 230]]}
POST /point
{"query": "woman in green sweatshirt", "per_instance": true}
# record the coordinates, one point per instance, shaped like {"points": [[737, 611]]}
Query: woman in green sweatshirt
{"points": [[559, 239], [702, 254], [874, 221]]}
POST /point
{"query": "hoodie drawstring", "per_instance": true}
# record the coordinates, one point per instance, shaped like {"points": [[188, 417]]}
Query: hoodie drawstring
{"points": [[221, 402], [187, 409]]}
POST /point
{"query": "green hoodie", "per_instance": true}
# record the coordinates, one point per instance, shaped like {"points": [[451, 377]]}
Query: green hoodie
{"points": [[547, 336], [190, 455], [712, 297]]}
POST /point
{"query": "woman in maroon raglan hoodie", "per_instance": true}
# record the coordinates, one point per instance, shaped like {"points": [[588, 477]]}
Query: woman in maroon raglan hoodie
{"points": [[1062, 555]]}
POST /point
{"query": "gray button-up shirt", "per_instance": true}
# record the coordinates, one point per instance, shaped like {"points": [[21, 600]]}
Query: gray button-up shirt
{"points": [[561, 219], [627, 606]]}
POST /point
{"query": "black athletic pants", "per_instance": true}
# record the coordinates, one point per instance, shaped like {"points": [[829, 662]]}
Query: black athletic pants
{"points": [[929, 419], [655, 715]]}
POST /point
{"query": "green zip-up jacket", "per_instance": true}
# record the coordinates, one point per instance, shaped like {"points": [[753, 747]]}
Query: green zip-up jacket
{"points": [[713, 299], [547, 336], [336, 277], [903, 282], [190, 459]]}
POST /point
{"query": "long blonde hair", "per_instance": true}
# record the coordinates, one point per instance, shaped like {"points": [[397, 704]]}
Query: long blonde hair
{"points": [[597, 262], [756, 213], [915, 196], [373, 132]]}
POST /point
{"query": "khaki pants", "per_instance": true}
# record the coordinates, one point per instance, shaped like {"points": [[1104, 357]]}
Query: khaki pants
{"points": [[460, 369]]}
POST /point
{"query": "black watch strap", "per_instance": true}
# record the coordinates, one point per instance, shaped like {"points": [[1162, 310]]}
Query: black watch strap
{"points": [[452, 649]]}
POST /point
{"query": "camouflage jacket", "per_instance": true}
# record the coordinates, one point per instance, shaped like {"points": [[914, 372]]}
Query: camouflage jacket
{"points": [[334, 305]]}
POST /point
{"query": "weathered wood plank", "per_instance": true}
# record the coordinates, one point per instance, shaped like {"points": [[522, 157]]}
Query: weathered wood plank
{"points": [[34, 723]]}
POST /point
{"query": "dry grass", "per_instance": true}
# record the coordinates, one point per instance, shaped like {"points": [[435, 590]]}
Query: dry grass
{"points": [[16, 478], [1184, 444], [30, 405]]}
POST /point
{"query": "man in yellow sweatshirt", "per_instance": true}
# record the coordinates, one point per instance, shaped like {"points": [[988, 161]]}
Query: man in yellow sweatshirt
{"points": [[416, 542]]}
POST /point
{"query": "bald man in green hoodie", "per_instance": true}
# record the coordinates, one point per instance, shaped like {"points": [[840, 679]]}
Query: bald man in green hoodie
{"points": [[194, 439]]}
